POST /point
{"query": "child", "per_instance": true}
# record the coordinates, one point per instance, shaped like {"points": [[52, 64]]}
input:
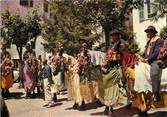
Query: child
{"points": [[47, 75]]}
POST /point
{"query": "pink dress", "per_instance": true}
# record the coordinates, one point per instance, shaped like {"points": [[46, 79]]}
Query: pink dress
{"points": [[28, 78]]}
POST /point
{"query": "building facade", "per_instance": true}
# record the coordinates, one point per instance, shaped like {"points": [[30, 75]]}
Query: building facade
{"points": [[23, 8], [142, 19]]}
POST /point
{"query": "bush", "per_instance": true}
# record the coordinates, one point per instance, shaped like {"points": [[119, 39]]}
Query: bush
{"points": [[163, 33]]}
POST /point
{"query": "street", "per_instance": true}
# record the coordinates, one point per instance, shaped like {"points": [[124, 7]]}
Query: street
{"points": [[18, 106]]}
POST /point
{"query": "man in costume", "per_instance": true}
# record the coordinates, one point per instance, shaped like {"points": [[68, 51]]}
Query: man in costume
{"points": [[150, 56], [112, 72], [59, 66]]}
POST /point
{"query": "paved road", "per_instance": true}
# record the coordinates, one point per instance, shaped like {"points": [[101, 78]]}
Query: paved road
{"points": [[18, 106]]}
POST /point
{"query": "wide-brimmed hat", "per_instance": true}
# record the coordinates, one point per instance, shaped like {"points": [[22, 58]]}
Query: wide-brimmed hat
{"points": [[151, 28], [115, 31]]}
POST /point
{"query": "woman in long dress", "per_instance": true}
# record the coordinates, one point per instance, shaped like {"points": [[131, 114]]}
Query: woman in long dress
{"points": [[6, 80], [29, 79]]}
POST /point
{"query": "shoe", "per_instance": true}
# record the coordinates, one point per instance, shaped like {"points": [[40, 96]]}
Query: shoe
{"points": [[110, 112], [156, 97], [81, 108], [106, 110], [129, 106], [98, 102], [45, 105], [51, 104], [55, 97], [75, 106]]}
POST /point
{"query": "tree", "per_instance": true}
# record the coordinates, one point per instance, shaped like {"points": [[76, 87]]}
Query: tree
{"points": [[18, 31], [163, 32], [109, 13], [64, 27], [76, 19], [33, 25], [160, 9], [14, 31]]}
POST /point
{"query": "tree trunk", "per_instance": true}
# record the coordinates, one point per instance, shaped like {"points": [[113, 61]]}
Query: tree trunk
{"points": [[107, 37], [35, 39], [19, 49]]}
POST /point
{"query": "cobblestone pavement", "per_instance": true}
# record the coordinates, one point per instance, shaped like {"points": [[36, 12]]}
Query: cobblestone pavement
{"points": [[18, 106]]}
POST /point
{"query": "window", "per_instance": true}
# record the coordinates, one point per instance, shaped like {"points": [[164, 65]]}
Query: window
{"points": [[27, 3], [150, 8], [147, 11], [45, 6], [141, 13]]}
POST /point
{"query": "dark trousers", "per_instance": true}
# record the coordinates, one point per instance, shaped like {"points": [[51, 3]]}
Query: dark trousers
{"points": [[155, 73]]}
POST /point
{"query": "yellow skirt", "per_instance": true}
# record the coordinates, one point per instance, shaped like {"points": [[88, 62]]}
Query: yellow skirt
{"points": [[142, 101], [6, 82]]}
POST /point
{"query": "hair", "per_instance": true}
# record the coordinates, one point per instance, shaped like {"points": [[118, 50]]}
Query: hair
{"points": [[45, 62], [50, 57], [39, 57]]}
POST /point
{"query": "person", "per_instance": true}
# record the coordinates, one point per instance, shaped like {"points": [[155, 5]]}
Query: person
{"points": [[6, 80], [25, 57], [29, 79], [47, 75], [4, 52], [84, 69], [60, 66], [39, 61], [150, 56], [112, 72], [49, 60], [28, 50], [39, 79], [162, 57], [29, 70]]}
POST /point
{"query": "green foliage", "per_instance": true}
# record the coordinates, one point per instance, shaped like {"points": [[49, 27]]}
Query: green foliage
{"points": [[131, 44], [109, 14], [75, 19], [17, 30], [13, 29], [160, 8], [33, 25], [163, 32], [64, 27]]}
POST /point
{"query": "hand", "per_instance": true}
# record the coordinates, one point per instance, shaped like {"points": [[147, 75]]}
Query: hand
{"points": [[143, 60], [159, 61]]}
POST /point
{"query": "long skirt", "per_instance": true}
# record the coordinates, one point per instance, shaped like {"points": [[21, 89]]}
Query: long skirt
{"points": [[143, 88], [82, 91], [6, 81], [59, 82], [29, 80], [74, 92], [91, 90], [113, 92]]}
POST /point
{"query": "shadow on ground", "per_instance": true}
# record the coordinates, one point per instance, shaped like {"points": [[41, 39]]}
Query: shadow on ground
{"points": [[88, 106], [20, 95], [62, 99], [121, 112], [158, 114], [14, 95]]}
